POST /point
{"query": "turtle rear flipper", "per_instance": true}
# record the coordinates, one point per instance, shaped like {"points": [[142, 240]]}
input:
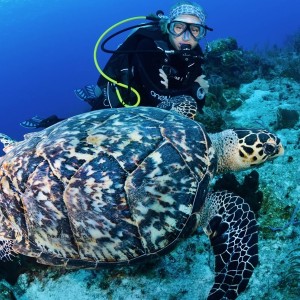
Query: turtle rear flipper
{"points": [[233, 234]]}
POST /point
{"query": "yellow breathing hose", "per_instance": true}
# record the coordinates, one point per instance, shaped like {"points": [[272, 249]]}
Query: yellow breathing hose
{"points": [[109, 78]]}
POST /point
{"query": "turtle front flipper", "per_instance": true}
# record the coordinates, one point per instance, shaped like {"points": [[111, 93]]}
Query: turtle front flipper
{"points": [[233, 233], [6, 249], [184, 105]]}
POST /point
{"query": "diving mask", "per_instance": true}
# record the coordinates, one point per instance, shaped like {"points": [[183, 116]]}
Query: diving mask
{"points": [[177, 28]]}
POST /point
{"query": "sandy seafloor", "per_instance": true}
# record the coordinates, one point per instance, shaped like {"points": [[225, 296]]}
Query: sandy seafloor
{"points": [[187, 273]]}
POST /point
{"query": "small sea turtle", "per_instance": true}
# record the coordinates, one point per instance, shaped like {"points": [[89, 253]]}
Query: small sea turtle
{"points": [[121, 186]]}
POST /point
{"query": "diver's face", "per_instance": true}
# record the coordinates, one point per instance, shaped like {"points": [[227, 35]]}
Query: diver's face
{"points": [[186, 37]]}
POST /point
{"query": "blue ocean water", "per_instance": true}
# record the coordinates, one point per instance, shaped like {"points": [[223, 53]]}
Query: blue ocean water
{"points": [[46, 47]]}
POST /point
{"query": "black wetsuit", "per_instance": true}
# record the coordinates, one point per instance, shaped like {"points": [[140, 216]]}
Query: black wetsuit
{"points": [[141, 69]]}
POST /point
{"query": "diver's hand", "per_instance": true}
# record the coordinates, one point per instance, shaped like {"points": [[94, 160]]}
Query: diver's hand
{"points": [[164, 77], [203, 83]]}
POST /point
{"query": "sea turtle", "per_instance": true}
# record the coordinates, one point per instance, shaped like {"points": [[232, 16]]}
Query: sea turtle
{"points": [[120, 186]]}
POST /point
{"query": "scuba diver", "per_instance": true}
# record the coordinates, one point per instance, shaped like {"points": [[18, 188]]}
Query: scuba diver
{"points": [[158, 61]]}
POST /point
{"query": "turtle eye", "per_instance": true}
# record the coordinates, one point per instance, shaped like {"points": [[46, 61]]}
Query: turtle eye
{"points": [[269, 148]]}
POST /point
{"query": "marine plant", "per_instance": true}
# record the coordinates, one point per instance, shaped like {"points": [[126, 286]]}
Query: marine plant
{"points": [[294, 259]]}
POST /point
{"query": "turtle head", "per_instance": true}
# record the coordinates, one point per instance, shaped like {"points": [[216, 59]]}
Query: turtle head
{"points": [[239, 149]]}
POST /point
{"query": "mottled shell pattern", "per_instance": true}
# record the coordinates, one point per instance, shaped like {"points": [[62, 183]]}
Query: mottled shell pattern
{"points": [[111, 186]]}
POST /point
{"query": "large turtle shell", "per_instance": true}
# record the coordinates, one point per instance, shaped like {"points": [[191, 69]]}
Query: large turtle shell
{"points": [[112, 186]]}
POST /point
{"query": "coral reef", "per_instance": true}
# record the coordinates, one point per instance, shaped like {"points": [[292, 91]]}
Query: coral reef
{"points": [[286, 118], [224, 58], [215, 96], [237, 66], [228, 67]]}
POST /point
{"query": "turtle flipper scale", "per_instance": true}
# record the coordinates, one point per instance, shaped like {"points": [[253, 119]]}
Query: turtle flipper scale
{"points": [[184, 105], [233, 234]]}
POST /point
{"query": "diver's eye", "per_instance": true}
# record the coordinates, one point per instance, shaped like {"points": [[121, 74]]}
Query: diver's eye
{"points": [[269, 148], [195, 30]]}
